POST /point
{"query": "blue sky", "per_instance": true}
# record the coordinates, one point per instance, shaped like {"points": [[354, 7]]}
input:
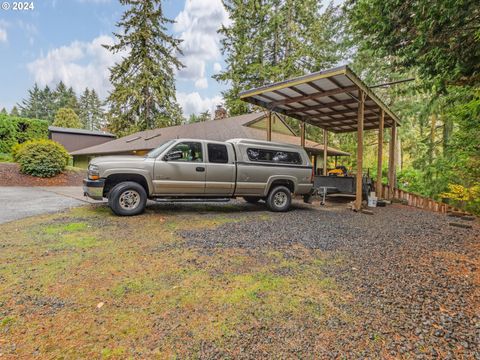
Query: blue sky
{"points": [[61, 40]]}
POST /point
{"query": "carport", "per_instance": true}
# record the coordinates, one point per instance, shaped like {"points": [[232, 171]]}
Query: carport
{"points": [[337, 101]]}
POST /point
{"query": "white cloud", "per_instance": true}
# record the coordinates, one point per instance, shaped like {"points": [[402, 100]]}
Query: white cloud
{"points": [[79, 65], [217, 68], [201, 83], [3, 35], [193, 103], [198, 24]]}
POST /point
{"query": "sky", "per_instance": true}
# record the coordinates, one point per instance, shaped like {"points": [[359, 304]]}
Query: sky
{"points": [[62, 40]]}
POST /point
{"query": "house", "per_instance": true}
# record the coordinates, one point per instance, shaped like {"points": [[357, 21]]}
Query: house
{"points": [[250, 126], [76, 139]]}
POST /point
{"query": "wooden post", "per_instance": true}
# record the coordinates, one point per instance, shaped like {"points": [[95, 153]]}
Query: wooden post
{"points": [[269, 126], [302, 134], [325, 151], [380, 153], [391, 159], [336, 160], [359, 177]]}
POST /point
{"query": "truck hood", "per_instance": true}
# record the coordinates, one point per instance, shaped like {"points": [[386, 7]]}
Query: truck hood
{"points": [[115, 159]]}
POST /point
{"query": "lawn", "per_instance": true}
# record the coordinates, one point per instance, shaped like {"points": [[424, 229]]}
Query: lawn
{"points": [[88, 284], [236, 281]]}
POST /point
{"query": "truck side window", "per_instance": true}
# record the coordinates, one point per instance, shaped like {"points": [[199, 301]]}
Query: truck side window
{"points": [[217, 153], [191, 151], [275, 156]]}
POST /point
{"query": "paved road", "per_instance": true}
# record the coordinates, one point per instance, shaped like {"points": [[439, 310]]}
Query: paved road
{"points": [[20, 202]]}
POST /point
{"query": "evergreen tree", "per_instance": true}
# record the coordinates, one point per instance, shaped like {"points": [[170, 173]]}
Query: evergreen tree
{"points": [[66, 117], [4, 111], [14, 111], [65, 98], [272, 40], [91, 112], [32, 106], [47, 104], [144, 86]]}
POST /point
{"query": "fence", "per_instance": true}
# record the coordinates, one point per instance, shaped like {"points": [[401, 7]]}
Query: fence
{"points": [[415, 200]]}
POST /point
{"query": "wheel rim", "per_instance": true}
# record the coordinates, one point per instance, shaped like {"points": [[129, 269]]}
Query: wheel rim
{"points": [[280, 199], [129, 200]]}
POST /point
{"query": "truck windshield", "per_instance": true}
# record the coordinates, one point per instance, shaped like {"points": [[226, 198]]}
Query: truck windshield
{"points": [[157, 151]]}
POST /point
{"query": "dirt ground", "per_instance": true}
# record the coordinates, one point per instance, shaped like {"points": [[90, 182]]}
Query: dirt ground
{"points": [[235, 281], [10, 176]]}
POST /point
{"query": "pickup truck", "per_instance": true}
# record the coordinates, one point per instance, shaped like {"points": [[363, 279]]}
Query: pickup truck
{"points": [[202, 170]]}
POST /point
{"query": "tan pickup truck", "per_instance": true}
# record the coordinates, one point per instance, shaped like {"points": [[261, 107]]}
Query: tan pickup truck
{"points": [[202, 170]]}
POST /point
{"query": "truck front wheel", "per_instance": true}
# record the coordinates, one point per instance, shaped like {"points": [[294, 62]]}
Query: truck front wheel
{"points": [[127, 199], [279, 199]]}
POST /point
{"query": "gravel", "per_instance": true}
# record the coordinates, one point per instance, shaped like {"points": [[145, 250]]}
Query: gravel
{"points": [[414, 281]]}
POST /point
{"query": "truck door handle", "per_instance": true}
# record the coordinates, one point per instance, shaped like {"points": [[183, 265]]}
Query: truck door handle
{"points": [[200, 169]]}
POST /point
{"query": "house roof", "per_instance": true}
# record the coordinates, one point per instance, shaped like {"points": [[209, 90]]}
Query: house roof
{"points": [[328, 99], [79, 131], [219, 130]]}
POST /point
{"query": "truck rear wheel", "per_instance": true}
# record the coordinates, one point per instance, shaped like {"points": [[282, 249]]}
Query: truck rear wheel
{"points": [[127, 199], [279, 199], [251, 199]]}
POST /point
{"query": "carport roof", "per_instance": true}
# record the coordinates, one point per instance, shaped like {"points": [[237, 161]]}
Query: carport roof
{"points": [[327, 99]]}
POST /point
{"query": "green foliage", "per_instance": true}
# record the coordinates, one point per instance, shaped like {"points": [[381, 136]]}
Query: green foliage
{"points": [[66, 117], [5, 157], [440, 40], [7, 134], [91, 111], [14, 130], [42, 158], [271, 41], [143, 95]]}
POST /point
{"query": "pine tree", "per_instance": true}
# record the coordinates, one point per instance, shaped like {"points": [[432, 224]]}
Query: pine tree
{"points": [[47, 104], [91, 111], [272, 40], [32, 106], [144, 86], [4, 111], [65, 97], [14, 111]]}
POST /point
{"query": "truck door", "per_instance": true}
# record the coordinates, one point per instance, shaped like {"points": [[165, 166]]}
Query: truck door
{"points": [[221, 170], [182, 171]]}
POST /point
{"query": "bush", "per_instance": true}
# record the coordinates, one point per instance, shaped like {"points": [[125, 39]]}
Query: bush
{"points": [[42, 158], [17, 130]]}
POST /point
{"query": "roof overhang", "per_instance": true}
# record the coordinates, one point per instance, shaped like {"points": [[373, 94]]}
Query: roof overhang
{"points": [[328, 99]]}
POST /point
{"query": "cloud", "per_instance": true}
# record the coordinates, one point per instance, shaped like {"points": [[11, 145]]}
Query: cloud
{"points": [[193, 103], [29, 30], [79, 65], [198, 24], [217, 68], [201, 83], [3, 31]]}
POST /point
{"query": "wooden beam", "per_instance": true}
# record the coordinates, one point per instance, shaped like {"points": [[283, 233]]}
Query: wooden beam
{"points": [[325, 151], [302, 134], [380, 153], [391, 160], [269, 126], [311, 96], [359, 177], [346, 118], [324, 106]]}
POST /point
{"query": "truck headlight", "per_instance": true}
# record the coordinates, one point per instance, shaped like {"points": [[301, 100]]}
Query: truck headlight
{"points": [[93, 172]]}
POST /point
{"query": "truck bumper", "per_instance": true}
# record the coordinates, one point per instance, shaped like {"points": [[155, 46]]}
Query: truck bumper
{"points": [[93, 188]]}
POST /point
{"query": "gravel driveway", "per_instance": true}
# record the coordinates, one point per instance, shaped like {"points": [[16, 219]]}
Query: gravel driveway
{"points": [[20, 202], [414, 281]]}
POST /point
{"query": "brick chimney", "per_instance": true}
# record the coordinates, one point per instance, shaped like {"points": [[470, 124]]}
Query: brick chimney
{"points": [[220, 113]]}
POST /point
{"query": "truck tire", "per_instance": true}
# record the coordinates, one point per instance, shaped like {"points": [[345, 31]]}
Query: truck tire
{"points": [[127, 199], [279, 199], [251, 199]]}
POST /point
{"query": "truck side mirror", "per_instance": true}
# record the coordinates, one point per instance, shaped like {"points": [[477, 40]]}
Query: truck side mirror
{"points": [[174, 155]]}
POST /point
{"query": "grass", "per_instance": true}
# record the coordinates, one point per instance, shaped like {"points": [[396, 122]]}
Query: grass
{"points": [[130, 286]]}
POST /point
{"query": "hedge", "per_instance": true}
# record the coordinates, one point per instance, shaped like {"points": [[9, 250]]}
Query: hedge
{"points": [[16, 130]]}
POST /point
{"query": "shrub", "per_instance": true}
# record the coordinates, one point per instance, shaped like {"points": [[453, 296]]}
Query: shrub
{"points": [[42, 158], [17, 130], [7, 135]]}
